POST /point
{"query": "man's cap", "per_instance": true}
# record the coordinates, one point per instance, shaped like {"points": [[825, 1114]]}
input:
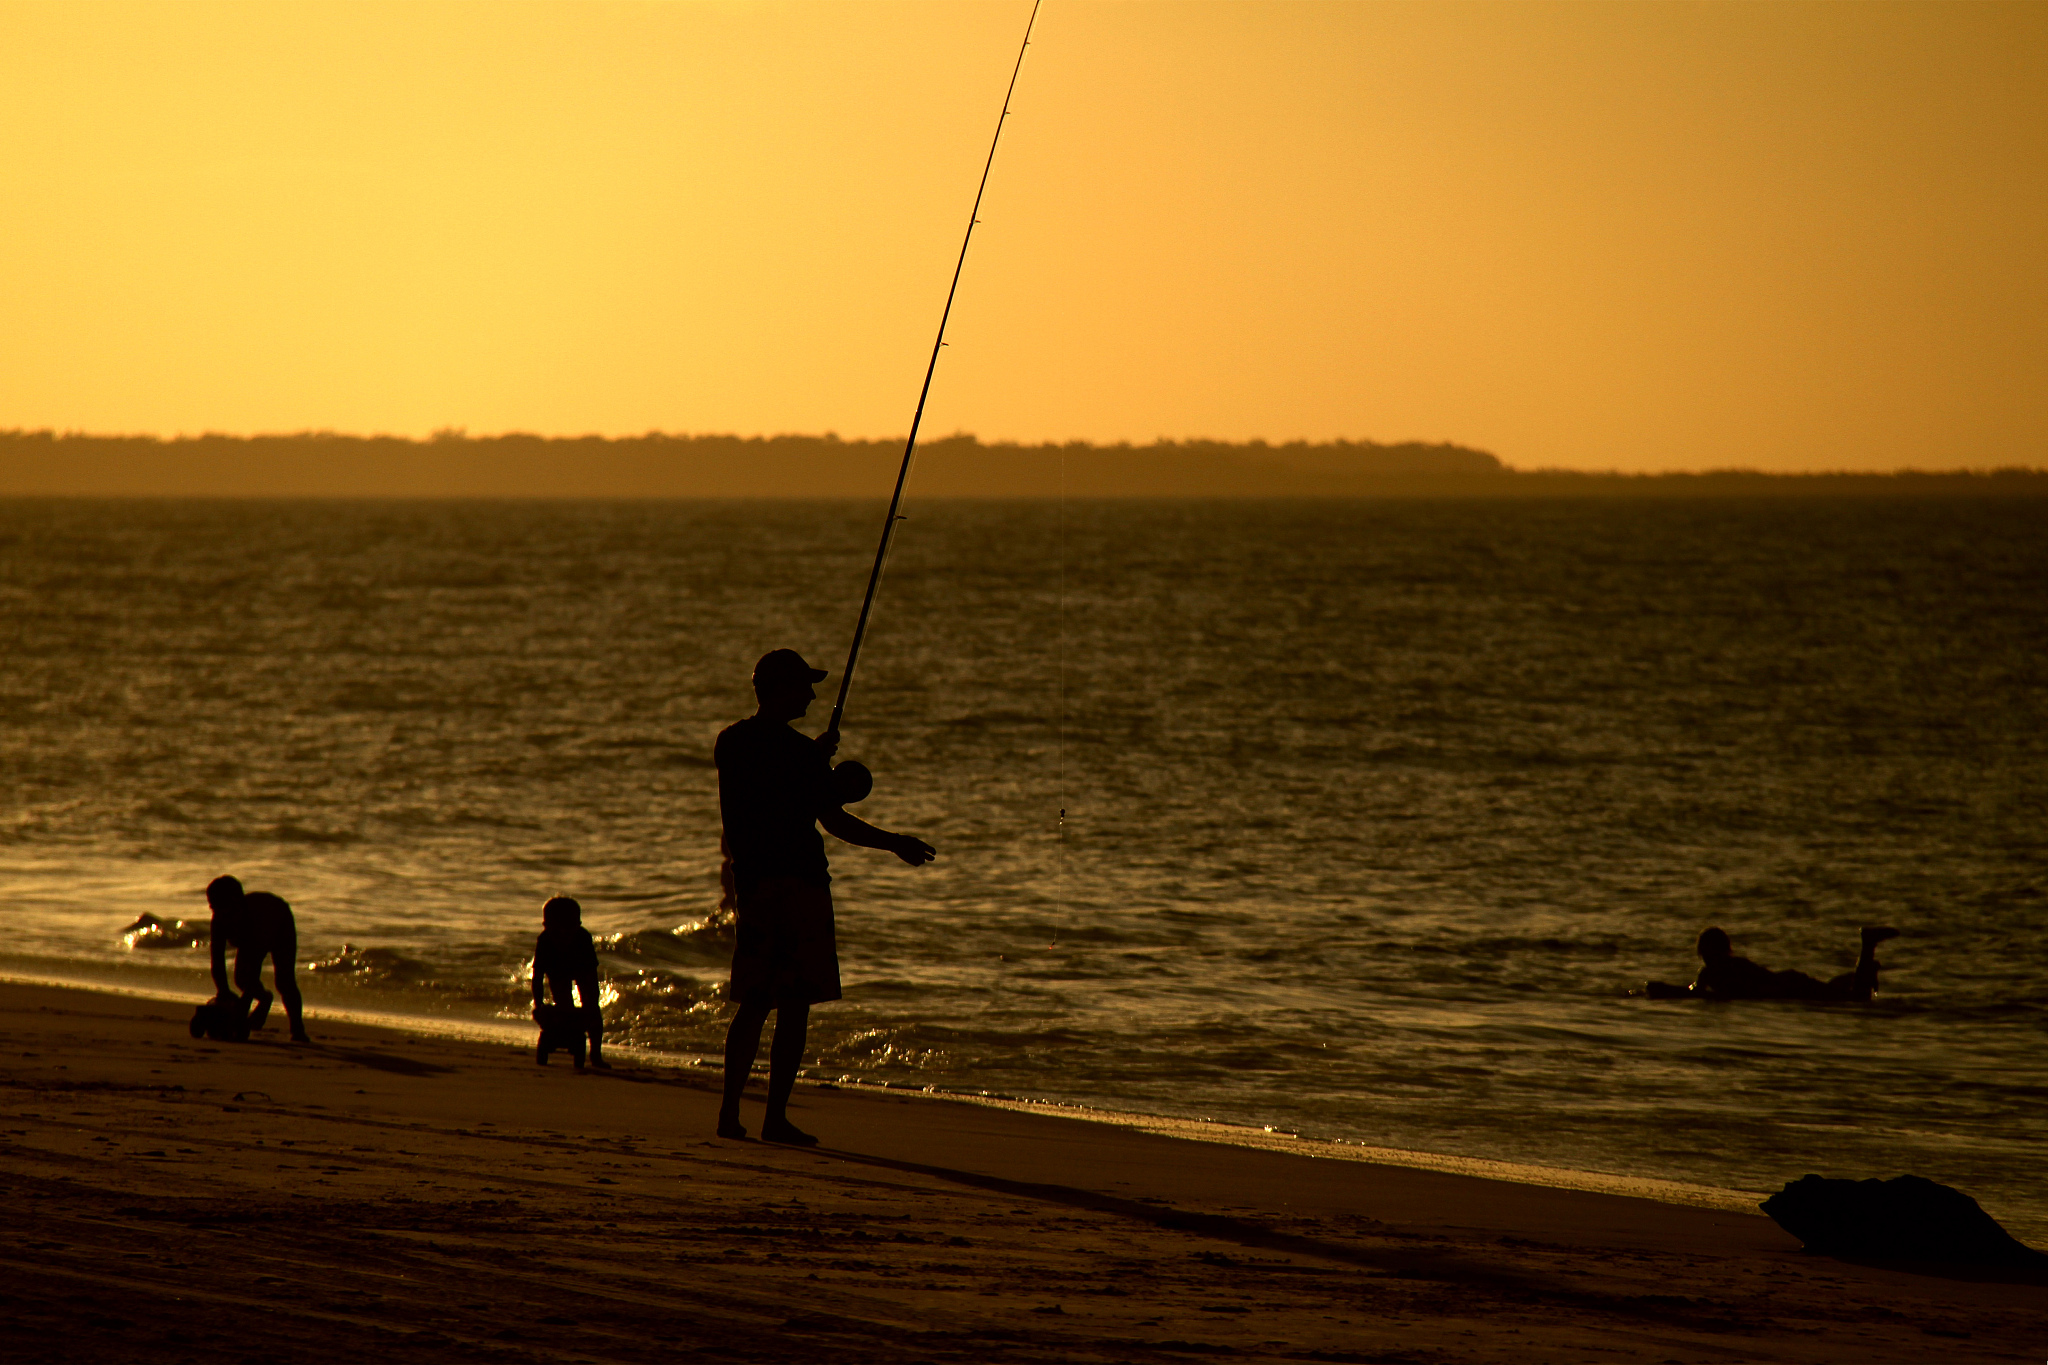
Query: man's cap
{"points": [[781, 666]]}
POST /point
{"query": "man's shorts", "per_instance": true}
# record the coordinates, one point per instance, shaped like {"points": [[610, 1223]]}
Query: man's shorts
{"points": [[788, 951]]}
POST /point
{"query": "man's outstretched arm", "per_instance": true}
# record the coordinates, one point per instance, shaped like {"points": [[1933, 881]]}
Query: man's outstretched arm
{"points": [[855, 830]]}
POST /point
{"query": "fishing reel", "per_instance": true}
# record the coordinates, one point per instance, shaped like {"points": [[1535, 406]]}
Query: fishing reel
{"points": [[851, 782]]}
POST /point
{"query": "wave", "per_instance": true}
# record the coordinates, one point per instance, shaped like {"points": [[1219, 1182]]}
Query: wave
{"points": [[291, 832], [148, 932], [438, 817], [379, 966], [985, 719], [649, 998], [882, 1047], [696, 943]]}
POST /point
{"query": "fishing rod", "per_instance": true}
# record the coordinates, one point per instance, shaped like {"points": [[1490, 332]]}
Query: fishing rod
{"points": [[855, 777]]}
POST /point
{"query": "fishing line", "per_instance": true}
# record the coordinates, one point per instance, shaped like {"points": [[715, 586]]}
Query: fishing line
{"points": [[860, 628], [1060, 726]]}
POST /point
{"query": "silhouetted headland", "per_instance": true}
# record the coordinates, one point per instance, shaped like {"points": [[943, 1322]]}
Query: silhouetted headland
{"points": [[454, 465]]}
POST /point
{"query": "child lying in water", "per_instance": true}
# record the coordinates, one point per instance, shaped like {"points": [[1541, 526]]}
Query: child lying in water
{"points": [[1726, 976]]}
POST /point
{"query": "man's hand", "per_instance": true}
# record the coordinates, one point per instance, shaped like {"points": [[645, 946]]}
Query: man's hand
{"points": [[829, 742], [913, 850]]}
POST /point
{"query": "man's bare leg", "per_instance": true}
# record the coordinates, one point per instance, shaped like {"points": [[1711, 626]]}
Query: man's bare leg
{"points": [[785, 1056], [742, 1044]]}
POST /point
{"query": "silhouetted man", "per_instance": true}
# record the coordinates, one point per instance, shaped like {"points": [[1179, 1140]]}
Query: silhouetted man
{"points": [[1724, 975], [258, 925], [774, 789]]}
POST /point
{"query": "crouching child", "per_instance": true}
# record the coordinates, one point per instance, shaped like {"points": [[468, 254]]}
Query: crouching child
{"points": [[565, 967]]}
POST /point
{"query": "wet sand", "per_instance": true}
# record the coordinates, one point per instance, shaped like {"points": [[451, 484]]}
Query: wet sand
{"points": [[391, 1197]]}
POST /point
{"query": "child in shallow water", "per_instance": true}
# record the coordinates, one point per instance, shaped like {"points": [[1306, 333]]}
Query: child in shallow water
{"points": [[565, 966], [1726, 975]]}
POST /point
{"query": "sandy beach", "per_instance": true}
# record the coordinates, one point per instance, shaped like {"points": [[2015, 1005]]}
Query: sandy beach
{"points": [[382, 1195]]}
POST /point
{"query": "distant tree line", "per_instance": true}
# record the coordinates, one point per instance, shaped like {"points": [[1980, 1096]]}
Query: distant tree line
{"points": [[454, 464]]}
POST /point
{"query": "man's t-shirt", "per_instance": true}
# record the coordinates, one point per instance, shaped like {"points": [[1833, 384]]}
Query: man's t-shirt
{"points": [[773, 784]]}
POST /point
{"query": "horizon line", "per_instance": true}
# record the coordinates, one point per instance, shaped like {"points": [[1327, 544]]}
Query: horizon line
{"points": [[450, 435]]}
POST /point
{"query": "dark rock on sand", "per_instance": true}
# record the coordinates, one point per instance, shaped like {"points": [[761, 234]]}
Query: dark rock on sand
{"points": [[1904, 1219]]}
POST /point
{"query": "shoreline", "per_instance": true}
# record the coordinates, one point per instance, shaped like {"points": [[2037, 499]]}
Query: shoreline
{"points": [[409, 1197], [510, 1033]]}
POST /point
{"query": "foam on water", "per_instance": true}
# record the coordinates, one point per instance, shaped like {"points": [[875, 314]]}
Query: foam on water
{"points": [[1373, 809]]}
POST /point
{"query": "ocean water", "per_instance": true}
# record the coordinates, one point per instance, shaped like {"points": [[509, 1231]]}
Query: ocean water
{"points": [[1373, 811]]}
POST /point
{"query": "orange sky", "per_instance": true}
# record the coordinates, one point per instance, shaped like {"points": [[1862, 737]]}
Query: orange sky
{"points": [[1635, 236]]}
